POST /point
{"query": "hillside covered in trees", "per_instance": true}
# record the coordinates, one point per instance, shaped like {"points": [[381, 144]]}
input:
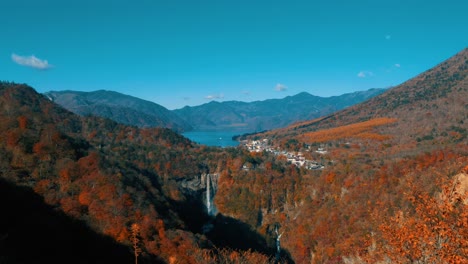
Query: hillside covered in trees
{"points": [[393, 188], [109, 177], [119, 107], [394, 184]]}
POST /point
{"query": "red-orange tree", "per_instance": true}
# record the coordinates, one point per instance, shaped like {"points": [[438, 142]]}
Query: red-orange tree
{"points": [[433, 230]]}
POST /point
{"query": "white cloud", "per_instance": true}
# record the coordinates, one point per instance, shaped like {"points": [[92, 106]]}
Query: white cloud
{"points": [[364, 74], [280, 87], [214, 97], [388, 37], [397, 65], [31, 61]]}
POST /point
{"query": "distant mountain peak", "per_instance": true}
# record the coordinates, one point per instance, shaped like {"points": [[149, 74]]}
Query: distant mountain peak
{"points": [[302, 94]]}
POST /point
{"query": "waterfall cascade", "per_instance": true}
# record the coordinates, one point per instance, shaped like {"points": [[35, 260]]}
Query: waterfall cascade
{"points": [[205, 185], [278, 244], [211, 183], [208, 197]]}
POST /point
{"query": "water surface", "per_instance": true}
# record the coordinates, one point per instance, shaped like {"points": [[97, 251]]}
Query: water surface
{"points": [[213, 138]]}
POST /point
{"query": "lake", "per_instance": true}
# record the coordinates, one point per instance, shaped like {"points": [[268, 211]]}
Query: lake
{"points": [[213, 138]]}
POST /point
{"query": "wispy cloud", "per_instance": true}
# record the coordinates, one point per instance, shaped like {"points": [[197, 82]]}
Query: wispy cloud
{"points": [[280, 87], [365, 74], [31, 61], [397, 65], [214, 97]]}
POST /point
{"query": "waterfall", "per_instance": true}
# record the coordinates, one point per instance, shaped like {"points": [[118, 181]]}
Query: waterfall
{"points": [[209, 183], [278, 244], [208, 197]]}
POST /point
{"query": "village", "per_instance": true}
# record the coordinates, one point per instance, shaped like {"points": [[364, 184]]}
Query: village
{"points": [[296, 158]]}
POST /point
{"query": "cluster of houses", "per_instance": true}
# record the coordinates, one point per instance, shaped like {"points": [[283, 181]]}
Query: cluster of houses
{"points": [[297, 159], [300, 161], [257, 145]]}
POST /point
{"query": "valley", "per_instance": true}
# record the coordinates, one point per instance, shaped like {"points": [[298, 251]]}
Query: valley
{"points": [[234, 132], [382, 181]]}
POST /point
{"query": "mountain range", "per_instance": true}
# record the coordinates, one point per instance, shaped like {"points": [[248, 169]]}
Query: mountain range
{"points": [[268, 114], [229, 115]]}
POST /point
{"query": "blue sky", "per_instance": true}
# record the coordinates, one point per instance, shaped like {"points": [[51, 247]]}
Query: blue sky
{"points": [[178, 53]]}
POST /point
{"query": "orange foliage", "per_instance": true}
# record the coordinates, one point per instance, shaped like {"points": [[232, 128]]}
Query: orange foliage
{"points": [[330, 177], [357, 130], [85, 198], [435, 232], [12, 138], [38, 147], [228, 256], [64, 174], [107, 192], [43, 186], [123, 235], [22, 122], [465, 170], [70, 206], [126, 200]]}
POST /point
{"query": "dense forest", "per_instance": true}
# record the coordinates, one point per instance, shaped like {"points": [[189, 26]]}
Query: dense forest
{"points": [[393, 190], [110, 177]]}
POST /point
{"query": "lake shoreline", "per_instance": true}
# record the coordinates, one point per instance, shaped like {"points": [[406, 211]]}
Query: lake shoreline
{"points": [[214, 138]]}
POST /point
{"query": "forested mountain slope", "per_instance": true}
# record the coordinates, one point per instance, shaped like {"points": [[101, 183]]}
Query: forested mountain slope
{"points": [[110, 177], [394, 184], [431, 106], [121, 108]]}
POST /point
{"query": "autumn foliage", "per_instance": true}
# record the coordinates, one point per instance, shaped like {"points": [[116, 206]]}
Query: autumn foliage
{"points": [[108, 175], [396, 203], [433, 230], [361, 130]]}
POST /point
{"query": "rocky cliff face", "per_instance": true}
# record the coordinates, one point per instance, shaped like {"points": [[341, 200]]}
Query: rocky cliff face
{"points": [[203, 188]]}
